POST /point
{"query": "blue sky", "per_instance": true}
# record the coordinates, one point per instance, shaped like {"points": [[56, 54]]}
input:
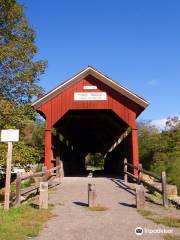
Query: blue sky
{"points": [[135, 42]]}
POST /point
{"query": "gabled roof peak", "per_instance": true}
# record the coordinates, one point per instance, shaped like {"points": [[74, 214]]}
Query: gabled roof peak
{"points": [[89, 70]]}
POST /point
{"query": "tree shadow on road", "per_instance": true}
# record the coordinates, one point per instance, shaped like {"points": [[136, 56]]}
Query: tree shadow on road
{"points": [[127, 205], [120, 183]]}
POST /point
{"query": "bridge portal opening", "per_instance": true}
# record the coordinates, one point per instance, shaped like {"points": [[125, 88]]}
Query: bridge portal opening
{"points": [[81, 136]]}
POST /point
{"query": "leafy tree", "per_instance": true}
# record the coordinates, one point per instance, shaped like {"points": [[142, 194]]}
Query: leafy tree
{"points": [[19, 72], [148, 143], [160, 151], [19, 82]]}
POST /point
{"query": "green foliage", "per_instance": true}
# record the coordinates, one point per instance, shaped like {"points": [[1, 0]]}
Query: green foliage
{"points": [[19, 83], [26, 183], [148, 143], [95, 161], [22, 154], [160, 151], [39, 167], [19, 73]]}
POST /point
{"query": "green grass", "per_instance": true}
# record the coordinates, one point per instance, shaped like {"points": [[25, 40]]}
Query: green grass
{"points": [[26, 183], [155, 197], [166, 221], [171, 237], [20, 223]]}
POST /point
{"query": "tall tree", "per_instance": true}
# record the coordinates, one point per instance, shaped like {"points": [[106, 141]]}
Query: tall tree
{"points": [[160, 150], [19, 77], [19, 72]]}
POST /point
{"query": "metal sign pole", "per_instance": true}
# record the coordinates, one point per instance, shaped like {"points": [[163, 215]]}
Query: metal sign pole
{"points": [[8, 176]]}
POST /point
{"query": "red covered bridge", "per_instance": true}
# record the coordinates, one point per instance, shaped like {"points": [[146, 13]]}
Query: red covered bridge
{"points": [[90, 113]]}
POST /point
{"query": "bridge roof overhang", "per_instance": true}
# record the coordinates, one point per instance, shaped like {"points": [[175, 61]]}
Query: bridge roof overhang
{"points": [[141, 102]]}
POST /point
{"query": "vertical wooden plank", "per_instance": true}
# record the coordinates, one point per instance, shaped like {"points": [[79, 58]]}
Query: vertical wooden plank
{"points": [[58, 165], [48, 151], [18, 189], [125, 170], [139, 173], [61, 169], [164, 189], [135, 154], [44, 169], [8, 176]]}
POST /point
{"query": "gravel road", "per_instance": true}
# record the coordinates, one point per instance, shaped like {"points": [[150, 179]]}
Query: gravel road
{"points": [[73, 220]]}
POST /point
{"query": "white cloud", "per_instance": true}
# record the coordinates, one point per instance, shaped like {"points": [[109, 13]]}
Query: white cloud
{"points": [[153, 83], [159, 123]]}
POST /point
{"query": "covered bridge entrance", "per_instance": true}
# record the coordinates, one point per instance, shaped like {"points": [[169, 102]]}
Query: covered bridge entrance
{"points": [[90, 113]]}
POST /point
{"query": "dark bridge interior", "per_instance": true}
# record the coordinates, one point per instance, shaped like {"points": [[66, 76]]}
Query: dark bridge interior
{"points": [[80, 132]]}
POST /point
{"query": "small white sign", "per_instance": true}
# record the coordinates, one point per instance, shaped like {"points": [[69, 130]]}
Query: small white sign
{"points": [[90, 96], [10, 135], [89, 87]]}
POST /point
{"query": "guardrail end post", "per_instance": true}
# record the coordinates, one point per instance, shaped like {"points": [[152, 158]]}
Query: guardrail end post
{"points": [[140, 197], [164, 189], [18, 189], [43, 197]]}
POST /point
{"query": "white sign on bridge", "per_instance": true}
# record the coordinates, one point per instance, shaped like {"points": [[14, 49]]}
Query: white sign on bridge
{"points": [[89, 87], [90, 96], [10, 135]]}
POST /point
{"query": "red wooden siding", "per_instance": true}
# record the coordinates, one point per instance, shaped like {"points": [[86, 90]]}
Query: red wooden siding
{"points": [[59, 105]]}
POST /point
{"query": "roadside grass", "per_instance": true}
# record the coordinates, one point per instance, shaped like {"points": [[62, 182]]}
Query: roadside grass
{"points": [[171, 237], [23, 222], [155, 197], [166, 221]]}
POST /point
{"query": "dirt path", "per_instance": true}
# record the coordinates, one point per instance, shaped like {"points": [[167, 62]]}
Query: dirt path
{"points": [[73, 221]]}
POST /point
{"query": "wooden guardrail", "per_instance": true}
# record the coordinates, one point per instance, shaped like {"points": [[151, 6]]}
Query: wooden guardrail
{"points": [[21, 191], [139, 179]]}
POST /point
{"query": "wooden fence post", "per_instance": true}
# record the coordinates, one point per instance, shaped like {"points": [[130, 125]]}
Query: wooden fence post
{"points": [[44, 169], [8, 176], [62, 169], [140, 197], [139, 173], [164, 189], [43, 197], [91, 195], [57, 165], [18, 189], [125, 170]]}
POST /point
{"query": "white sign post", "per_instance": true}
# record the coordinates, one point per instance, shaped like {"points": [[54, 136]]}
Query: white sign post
{"points": [[9, 136]]}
